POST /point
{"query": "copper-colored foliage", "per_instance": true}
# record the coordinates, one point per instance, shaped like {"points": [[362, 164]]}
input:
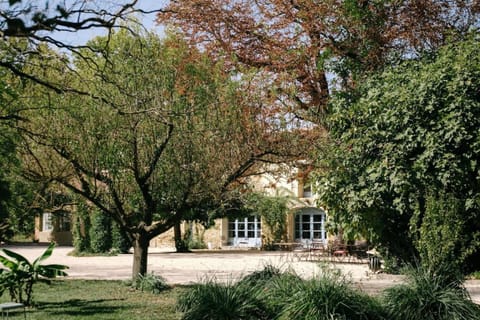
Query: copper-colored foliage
{"points": [[296, 37]]}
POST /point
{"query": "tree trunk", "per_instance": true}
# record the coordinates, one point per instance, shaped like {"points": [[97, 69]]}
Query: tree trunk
{"points": [[180, 244], [140, 256]]}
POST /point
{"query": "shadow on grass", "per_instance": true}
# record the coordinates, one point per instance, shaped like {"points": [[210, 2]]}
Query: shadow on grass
{"points": [[80, 307]]}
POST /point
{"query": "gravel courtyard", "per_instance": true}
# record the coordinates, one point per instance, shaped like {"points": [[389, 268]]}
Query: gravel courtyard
{"points": [[184, 268]]}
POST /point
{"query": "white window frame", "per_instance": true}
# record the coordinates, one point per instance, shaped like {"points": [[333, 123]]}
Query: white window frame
{"points": [[307, 191], [310, 217], [47, 223], [241, 225]]}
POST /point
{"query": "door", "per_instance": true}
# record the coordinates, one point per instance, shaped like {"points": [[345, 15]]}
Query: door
{"points": [[245, 232]]}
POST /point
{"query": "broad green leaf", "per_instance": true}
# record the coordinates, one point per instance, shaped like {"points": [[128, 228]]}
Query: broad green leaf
{"points": [[19, 258], [45, 255]]}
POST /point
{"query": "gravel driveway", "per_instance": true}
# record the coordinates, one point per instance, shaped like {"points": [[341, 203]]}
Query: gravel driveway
{"points": [[184, 268]]}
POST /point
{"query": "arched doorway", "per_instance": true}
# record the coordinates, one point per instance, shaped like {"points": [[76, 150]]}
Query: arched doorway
{"points": [[310, 225]]}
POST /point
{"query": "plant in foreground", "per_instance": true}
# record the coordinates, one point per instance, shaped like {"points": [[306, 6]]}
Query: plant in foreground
{"points": [[20, 275], [218, 301], [329, 296], [430, 294], [151, 282]]}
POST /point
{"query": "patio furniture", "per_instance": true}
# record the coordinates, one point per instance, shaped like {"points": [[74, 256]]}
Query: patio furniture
{"points": [[338, 251], [317, 250], [286, 246], [300, 251], [7, 306]]}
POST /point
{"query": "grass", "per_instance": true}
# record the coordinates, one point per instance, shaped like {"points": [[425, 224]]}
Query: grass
{"points": [[474, 275], [429, 295], [102, 300], [272, 294]]}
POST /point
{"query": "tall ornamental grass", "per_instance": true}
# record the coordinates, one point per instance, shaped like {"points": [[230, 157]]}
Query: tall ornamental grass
{"points": [[430, 295], [328, 296], [212, 300], [271, 294]]}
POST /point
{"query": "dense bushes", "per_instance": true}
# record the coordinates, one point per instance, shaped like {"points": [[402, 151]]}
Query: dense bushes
{"points": [[444, 235], [95, 232], [272, 294]]}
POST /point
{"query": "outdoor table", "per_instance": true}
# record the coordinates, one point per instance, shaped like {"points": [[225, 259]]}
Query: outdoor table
{"points": [[7, 306], [287, 246]]}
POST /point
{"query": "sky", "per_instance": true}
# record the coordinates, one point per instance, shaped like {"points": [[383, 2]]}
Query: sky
{"points": [[148, 20]]}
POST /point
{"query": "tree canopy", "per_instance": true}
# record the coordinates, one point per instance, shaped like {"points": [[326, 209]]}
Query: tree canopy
{"points": [[297, 44], [402, 141], [28, 26], [164, 132]]}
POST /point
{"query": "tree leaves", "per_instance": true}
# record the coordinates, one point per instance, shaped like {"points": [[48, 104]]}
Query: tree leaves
{"points": [[411, 129]]}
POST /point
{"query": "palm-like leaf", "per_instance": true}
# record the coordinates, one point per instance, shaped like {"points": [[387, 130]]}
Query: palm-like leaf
{"points": [[20, 274], [8, 263], [44, 255], [52, 270], [19, 258]]}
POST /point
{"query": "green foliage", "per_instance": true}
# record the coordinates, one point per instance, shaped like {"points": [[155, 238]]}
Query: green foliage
{"points": [[474, 275], [193, 236], [20, 275], [261, 277], [100, 232], [401, 135], [430, 294], [443, 236], [329, 296], [271, 294], [10, 184], [273, 210], [94, 232], [211, 300], [81, 229], [151, 282], [120, 239]]}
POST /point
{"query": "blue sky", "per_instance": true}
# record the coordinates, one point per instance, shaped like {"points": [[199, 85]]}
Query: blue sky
{"points": [[148, 20]]}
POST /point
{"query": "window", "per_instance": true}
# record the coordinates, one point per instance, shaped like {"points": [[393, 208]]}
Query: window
{"points": [[249, 227], [47, 222], [64, 222], [310, 225], [61, 221], [307, 191]]}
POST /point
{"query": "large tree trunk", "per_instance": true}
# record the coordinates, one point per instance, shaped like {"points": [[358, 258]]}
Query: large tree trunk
{"points": [[180, 244], [140, 256]]}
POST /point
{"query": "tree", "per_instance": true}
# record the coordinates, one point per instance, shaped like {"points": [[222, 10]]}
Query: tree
{"points": [[169, 134], [5, 196], [296, 44], [405, 144], [26, 26]]}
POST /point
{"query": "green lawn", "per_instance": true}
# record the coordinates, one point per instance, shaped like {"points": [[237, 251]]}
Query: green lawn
{"points": [[88, 299]]}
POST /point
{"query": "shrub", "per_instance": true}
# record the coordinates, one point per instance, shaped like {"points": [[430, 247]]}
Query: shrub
{"points": [[261, 277], [277, 290], [329, 296], [430, 294], [100, 232], [20, 275], [81, 229], [444, 235], [151, 283], [120, 240], [217, 301]]}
